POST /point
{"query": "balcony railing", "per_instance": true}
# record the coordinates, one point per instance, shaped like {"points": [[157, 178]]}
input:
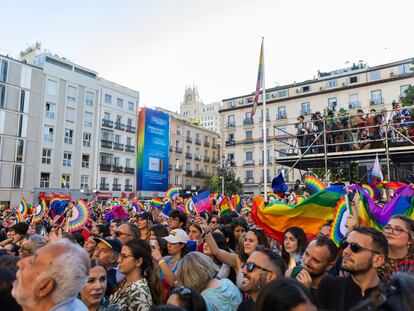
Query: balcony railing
{"points": [[118, 146], [188, 155], [116, 187], [178, 150], [197, 174], [232, 124], [105, 167], [106, 144], [188, 139], [197, 157], [248, 162], [129, 170], [107, 123], [188, 173], [376, 101], [197, 141], [206, 144], [104, 186], [247, 121], [178, 168], [128, 188], [282, 117], [178, 132], [232, 163], [214, 146], [206, 158], [117, 169], [130, 129], [249, 180], [213, 160], [230, 143], [119, 126], [129, 148]]}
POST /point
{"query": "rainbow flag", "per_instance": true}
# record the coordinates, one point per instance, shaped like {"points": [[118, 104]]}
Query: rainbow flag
{"points": [[172, 193], [189, 206], [157, 203], [236, 202], [40, 211], [202, 202], [369, 190], [393, 185], [259, 83], [313, 184], [136, 206], [271, 196], [24, 208], [309, 215], [338, 229], [225, 207]]}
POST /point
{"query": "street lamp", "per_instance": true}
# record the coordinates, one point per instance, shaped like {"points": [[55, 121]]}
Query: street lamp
{"points": [[223, 172]]}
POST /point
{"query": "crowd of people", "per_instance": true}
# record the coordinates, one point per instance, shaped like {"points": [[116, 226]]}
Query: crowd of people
{"points": [[359, 132], [200, 262]]}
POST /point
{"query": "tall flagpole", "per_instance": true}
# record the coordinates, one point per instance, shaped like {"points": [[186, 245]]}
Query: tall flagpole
{"points": [[264, 128]]}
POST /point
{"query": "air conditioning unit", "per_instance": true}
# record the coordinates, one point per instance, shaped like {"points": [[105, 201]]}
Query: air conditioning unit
{"points": [[392, 74]]}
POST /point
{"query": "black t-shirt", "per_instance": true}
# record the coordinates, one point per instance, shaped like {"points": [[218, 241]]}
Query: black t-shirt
{"points": [[246, 305], [336, 293]]}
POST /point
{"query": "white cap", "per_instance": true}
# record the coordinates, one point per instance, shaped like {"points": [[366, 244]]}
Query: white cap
{"points": [[177, 236]]}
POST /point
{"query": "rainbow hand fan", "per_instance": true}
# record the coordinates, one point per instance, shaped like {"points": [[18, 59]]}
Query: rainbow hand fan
{"points": [[313, 184], [80, 216], [40, 211]]}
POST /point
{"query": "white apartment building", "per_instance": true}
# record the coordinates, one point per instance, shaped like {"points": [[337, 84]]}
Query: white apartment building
{"points": [[20, 116], [351, 88], [117, 147], [195, 111]]}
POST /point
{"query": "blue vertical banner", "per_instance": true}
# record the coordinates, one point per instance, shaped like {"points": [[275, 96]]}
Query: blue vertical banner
{"points": [[153, 141]]}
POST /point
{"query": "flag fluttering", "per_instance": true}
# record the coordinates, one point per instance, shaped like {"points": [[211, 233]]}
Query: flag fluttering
{"points": [[259, 83], [202, 202]]}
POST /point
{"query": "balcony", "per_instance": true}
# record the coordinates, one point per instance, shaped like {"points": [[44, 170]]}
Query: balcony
{"points": [[206, 158], [249, 180], [107, 123], [188, 155], [214, 146], [129, 148], [130, 129], [116, 187], [129, 170], [198, 174], [205, 175], [178, 168], [128, 188], [178, 150], [197, 141], [119, 126], [231, 142], [105, 167], [232, 163], [106, 144], [117, 169], [118, 146], [178, 132], [188, 173], [197, 157], [269, 161], [213, 160], [104, 187], [206, 144], [231, 124], [188, 139], [248, 162], [282, 117], [247, 121]]}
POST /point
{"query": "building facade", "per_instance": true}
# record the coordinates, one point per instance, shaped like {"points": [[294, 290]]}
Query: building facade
{"points": [[20, 116], [195, 111], [358, 87]]}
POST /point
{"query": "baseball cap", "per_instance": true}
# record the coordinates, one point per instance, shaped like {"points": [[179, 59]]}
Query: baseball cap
{"points": [[112, 243], [177, 236], [146, 215]]}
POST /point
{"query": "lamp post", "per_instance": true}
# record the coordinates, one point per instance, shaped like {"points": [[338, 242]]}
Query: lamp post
{"points": [[223, 172]]}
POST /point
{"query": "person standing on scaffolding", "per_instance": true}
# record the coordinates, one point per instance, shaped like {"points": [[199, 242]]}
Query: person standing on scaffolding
{"points": [[317, 128], [302, 134]]}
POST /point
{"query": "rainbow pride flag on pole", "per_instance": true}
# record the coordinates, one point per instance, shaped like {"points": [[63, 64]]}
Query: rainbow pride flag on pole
{"points": [[309, 215], [259, 83]]}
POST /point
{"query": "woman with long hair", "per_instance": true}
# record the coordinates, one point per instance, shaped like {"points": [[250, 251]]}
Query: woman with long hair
{"points": [[294, 245], [399, 232], [141, 287]]}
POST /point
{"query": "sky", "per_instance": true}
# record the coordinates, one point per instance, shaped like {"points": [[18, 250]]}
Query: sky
{"points": [[159, 47]]}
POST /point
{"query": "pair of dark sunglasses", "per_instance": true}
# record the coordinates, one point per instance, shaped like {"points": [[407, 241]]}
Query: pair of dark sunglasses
{"points": [[356, 248], [251, 265]]}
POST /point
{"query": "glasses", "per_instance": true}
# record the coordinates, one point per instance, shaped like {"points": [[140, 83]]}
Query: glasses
{"points": [[182, 291], [394, 231], [119, 233], [356, 248], [123, 256], [251, 265]]}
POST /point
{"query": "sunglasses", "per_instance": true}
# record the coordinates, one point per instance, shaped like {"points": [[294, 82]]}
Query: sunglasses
{"points": [[356, 248], [251, 265]]}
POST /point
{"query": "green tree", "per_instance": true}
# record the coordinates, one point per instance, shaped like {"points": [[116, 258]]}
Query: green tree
{"points": [[408, 99], [37, 46], [232, 184]]}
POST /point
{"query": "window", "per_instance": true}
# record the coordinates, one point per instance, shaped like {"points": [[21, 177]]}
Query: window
{"points": [[376, 97], [281, 112], [131, 106], [354, 101], [52, 88], [107, 116], [353, 79], [188, 166], [249, 134], [19, 150], [17, 176], [375, 75], [249, 176], [128, 141], [127, 162], [87, 139], [119, 103], [68, 136], [85, 160], [2, 95], [22, 124], [305, 108], [282, 93], [249, 156], [267, 132], [403, 88], [46, 156], [3, 70], [188, 134], [230, 120], [230, 136], [71, 93], [118, 119], [89, 97], [108, 99], [188, 150], [50, 110], [88, 119], [44, 180], [65, 181], [48, 133], [306, 88], [84, 182], [331, 83], [404, 68], [67, 158], [117, 139], [70, 115], [332, 103], [22, 100]]}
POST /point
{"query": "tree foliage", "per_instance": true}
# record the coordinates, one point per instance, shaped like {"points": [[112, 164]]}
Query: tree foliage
{"points": [[232, 185], [408, 99], [37, 46]]}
